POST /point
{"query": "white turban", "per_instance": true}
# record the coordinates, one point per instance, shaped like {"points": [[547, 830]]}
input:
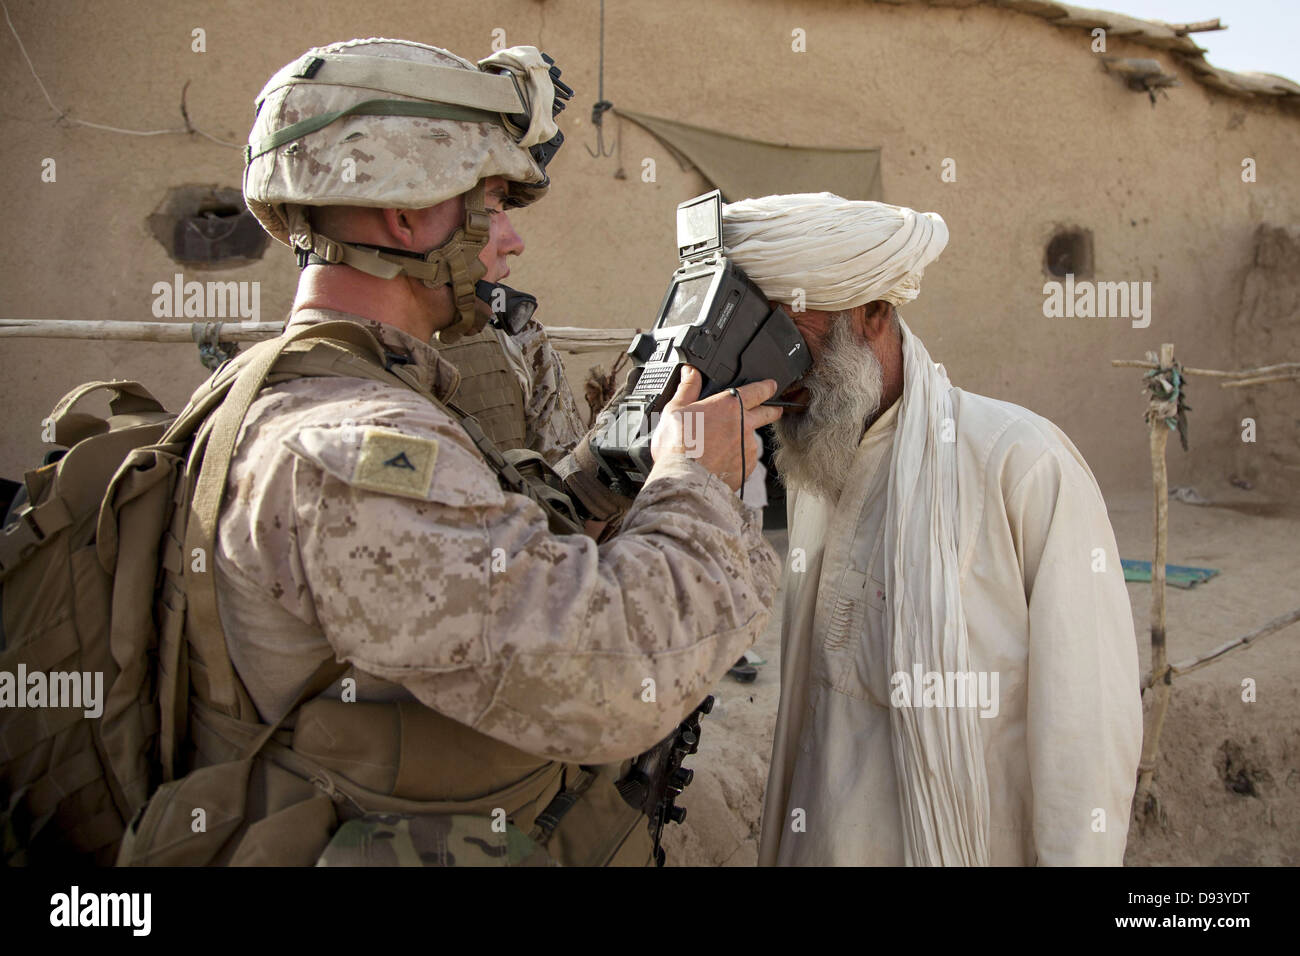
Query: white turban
{"points": [[840, 252]]}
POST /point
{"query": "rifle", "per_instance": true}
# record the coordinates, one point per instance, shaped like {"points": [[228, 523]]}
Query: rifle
{"points": [[657, 777]]}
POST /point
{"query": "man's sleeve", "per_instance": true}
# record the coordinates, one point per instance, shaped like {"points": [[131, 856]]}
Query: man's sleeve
{"points": [[1084, 716], [558, 646]]}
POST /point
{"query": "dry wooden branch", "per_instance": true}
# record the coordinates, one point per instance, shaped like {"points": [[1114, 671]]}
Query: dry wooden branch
{"points": [[569, 339], [1282, 372], [1263, 379], [231, 331], [1200, 26], [1196, 663], [578, 341]]}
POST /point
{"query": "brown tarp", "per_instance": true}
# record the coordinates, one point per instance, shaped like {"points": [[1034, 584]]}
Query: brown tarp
{"points": [[747, 168]]}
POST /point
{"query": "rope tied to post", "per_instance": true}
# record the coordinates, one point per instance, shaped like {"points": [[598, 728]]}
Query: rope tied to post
{"points": [[1167, 393]]}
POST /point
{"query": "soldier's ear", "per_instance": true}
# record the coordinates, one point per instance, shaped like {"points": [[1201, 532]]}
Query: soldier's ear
{"points": [[400, 226]]}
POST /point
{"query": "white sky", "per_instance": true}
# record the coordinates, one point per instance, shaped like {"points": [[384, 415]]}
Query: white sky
{"points": [[1262, 35]]}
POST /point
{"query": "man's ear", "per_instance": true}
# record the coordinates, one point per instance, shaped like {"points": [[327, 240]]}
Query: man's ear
{"points": [[875, 320]]}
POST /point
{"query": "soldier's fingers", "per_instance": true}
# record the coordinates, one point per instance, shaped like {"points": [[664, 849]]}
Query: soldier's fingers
{"points": [[751, 395], [688, 389], [761, 415], [755, 393]]}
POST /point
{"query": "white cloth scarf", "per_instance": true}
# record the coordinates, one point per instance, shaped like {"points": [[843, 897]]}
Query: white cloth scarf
{"points": [[837, 254], [938, 751]]}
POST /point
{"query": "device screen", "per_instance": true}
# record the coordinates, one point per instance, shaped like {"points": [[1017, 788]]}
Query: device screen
{"points": [[697, 224], [688, 300]]}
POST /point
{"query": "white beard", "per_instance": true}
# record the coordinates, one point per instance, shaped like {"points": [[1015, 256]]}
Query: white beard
{"points": [[815, 448]]}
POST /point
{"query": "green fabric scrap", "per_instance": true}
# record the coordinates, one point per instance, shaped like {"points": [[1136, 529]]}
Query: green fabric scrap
{"points": [[1176, 575]]}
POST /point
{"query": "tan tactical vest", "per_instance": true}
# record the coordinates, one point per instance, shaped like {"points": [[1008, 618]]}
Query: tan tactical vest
{"points": [[331, 761], [489, 389]]}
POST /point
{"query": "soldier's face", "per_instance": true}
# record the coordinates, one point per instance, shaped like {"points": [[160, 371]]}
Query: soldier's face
{"points": [[431, 227], [503, 241]]}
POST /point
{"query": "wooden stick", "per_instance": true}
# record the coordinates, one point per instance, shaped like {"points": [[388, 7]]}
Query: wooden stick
{"points": [[1200, 26], [231, 331], [1196, 663], [565, 338], [1213, 373], [1159, 656], [1293, 376], [578, 341]]}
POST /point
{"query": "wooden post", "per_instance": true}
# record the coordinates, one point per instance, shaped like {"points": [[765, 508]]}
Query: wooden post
{"points": [[1160, 675], [577, 341]]}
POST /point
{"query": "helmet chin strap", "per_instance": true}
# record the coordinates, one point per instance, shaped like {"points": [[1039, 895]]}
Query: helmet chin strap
{"points": [[455, 263]]}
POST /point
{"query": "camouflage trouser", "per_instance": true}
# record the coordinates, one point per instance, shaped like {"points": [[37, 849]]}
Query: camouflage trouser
{"points": [[393, 839]]}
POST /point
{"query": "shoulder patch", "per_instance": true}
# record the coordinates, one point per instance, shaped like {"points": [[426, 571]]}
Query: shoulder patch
{"points": [[417, 457], [395, 463]]}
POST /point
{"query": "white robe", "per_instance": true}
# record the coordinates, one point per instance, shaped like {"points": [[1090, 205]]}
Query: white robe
{"points": [[1047, 612]]}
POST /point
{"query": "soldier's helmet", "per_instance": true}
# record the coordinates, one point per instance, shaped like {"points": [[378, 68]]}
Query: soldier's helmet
{"points": [[396, 124]]}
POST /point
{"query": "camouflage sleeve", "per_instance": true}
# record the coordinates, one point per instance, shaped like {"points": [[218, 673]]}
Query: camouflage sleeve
{"points": [[580, 470], [554, 424], [423, 572]]}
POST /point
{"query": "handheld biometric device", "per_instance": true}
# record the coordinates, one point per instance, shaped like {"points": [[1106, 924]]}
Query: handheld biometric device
{"points": [[712, 317]]}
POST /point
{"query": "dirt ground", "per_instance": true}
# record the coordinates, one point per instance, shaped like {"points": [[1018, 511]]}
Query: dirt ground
{"points": [[1228, 777]]}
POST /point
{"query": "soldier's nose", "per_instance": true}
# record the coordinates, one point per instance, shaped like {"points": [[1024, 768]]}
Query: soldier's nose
{"points": [[512, 244]]}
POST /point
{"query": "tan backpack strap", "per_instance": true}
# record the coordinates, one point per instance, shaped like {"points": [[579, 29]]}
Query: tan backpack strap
{"points": [[329, 358], [202, 618], [71, 426], [548, 499], [351, 333], [213, 391], [34, 524], [326, 674], [579, 470], [554, 501]]}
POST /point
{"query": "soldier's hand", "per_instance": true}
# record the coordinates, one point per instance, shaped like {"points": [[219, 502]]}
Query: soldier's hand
{"points": [[709, 431]]}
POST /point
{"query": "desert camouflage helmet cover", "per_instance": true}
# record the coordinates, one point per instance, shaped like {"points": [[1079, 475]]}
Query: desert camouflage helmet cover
{"points": [[396, 124], [398, 161]]}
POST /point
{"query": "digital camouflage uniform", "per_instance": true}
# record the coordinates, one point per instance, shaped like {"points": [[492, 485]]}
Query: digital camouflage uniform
{"points": [[361, 523]]}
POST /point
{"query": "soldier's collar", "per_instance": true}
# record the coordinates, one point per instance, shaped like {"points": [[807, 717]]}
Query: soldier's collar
{"points": [[429, 367]]}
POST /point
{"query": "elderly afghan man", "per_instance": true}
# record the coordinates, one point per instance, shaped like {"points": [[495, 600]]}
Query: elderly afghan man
{"points": [[959, 681]]}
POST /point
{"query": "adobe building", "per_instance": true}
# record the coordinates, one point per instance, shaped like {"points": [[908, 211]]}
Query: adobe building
{"points": [[1052, 139]]}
